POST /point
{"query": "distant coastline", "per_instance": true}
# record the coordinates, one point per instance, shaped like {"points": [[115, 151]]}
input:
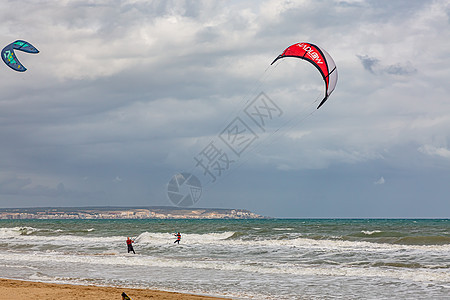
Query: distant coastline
{"points": [[113, 212]]}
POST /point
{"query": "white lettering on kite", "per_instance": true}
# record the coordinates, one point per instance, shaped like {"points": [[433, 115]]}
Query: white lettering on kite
{"points": [[311, 53]]}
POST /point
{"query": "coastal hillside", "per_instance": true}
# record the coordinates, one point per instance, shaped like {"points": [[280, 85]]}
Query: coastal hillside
{"points": [[151, 212]]}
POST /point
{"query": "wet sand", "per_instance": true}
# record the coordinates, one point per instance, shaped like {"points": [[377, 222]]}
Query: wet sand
{"points": [[26, 290]]}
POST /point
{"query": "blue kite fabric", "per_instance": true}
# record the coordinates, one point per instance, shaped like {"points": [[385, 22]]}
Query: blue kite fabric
{"points": [[10, 58]]}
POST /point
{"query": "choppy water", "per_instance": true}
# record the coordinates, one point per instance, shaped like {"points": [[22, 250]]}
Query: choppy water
{"points": [[257, 259]]}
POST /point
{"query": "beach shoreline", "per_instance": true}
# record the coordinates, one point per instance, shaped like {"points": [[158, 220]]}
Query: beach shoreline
{"points": [[14, 289]]}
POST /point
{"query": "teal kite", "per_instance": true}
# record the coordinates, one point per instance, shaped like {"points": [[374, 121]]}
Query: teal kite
{"points": [[10, 58]]}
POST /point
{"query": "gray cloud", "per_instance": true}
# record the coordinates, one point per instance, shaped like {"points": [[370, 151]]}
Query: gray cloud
{"points": [[13, 185], [368, 62], [374, 66], [24, 187], [380, 181]]}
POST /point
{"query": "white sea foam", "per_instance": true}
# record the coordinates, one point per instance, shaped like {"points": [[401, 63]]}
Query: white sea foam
{"points": [[338, 245], [60, 240], [158, 238], [225, 239], [370, 232], [8, 232], [416, 275]]}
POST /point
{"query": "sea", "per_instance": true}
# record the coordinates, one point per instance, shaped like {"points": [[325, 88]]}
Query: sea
{"points": [[238, 259]]}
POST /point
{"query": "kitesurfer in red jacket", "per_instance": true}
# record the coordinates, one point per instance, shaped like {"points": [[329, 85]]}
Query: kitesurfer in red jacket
{"points": [[130, 245]]}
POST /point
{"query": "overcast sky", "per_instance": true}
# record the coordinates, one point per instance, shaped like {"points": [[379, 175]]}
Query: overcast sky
{"points": [[125, 94]]}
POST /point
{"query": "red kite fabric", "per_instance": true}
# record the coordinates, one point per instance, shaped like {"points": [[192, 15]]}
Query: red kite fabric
{"points": [[320, 59]]}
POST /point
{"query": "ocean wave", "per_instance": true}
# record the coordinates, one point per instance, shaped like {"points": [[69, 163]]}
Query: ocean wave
{"points": [[377, 233], [58, 240], [9, 232], [423, 240], [399, 265], [366, 232], [330, 244], [386, 237], [151, 238], [164, 238], [237, 235], [393, 272], [230, 238]]}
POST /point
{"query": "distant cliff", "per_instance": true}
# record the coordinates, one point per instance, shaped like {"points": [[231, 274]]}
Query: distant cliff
{"points": [[109, 212]]}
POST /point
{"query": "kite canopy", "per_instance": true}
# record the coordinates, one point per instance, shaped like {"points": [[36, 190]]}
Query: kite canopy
{"points": [[320, 59], [10, 58]]}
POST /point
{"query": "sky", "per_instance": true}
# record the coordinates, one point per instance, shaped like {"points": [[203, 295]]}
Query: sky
{"points": [[124, 95]]}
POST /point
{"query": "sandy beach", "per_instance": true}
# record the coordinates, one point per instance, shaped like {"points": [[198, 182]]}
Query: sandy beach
{"points": [[25, 290]]}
